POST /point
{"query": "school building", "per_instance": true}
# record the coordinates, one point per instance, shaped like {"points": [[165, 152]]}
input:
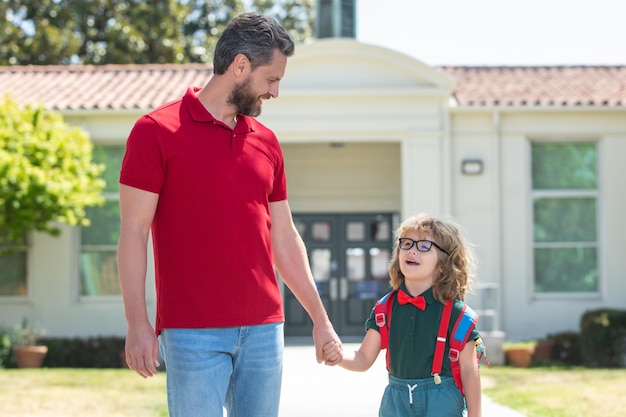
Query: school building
{"points": [[530, 160]]}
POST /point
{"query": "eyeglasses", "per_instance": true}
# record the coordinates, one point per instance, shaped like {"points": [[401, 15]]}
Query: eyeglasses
{"points": [[421, 245]]}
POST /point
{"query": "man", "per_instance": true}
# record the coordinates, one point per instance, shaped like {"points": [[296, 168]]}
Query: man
{"points": [[208, 179]]}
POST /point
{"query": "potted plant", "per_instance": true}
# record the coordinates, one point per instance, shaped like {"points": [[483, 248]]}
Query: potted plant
{"points": [[26, 351], [543, 350], [519, 354]]}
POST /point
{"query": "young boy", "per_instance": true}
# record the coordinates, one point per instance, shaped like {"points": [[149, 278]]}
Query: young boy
{"points": [[432, 266]]}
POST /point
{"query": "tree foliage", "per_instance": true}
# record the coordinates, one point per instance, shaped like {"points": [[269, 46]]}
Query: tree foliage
{"points": [[295, 15], [46, 172], [100, 32]]}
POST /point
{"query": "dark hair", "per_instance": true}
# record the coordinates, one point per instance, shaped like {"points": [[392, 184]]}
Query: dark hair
{"points": [[254, 35], [456, 271]]}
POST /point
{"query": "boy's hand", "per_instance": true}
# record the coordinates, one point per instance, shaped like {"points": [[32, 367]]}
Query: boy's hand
{"points": [[333, 353]]}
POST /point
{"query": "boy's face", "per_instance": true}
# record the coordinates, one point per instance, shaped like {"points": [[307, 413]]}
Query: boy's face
{"points": [[417, 266]]}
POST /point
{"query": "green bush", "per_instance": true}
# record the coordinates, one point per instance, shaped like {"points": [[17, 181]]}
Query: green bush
{"points": [[93, 352], [603, 338], [46, 172], [566, 348], [5, 347]]}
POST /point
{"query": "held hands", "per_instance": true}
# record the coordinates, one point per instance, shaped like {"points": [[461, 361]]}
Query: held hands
{"points": [[323, 334], [333, 353]]}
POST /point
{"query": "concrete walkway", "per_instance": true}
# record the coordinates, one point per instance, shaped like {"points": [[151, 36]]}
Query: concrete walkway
{"points": [[313, 390]]}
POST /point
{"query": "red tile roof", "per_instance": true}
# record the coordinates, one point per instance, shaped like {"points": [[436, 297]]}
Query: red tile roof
{"points": [[107, 87], [559, 86], [142, 87]]}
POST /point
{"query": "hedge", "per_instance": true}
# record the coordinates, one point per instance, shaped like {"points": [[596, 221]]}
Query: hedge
{"points": [[603, 338], [80, 352]]}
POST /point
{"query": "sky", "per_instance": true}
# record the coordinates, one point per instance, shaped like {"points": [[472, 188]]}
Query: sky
{"points": [[498, 32]]}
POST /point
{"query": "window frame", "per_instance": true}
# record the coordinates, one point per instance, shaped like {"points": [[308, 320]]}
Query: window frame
{"points": [[24, 247], [109, 196], [595, 193]]}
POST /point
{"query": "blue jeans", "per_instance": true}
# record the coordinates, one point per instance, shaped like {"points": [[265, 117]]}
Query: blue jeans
{"points": [[421, 398], [236, 368]]}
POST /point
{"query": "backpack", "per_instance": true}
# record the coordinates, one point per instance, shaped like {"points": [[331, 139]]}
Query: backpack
{"points": [[461, 331]]}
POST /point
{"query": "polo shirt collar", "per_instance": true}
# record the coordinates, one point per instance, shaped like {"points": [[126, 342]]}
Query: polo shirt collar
{"points": [[200, 114]]}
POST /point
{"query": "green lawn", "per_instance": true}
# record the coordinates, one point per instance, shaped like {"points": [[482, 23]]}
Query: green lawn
{"points": [[557, 391], [536, 392], [59, 392]]}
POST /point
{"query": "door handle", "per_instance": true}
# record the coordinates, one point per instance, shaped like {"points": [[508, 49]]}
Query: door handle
{"points": [[343, 289], [333, 288]]}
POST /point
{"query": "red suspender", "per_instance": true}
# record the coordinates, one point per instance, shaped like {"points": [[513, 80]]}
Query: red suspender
{"points": [[460, 332], [442, 335]]}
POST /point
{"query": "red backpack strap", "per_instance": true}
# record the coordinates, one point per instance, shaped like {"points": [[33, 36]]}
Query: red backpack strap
{"points": [[382, 314], [460, 333]]}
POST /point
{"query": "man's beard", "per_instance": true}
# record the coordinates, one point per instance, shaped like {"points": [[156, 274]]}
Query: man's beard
{"points": [[245, 102]]}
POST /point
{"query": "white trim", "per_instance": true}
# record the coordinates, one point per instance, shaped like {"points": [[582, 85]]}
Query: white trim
{"points": [[425, 91], [535, 109]]}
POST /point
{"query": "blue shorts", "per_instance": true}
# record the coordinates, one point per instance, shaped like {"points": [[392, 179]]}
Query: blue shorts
{"points": [[422, 398]]}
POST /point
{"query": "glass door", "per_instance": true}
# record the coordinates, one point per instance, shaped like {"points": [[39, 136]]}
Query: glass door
{"points": [[348, 254]]}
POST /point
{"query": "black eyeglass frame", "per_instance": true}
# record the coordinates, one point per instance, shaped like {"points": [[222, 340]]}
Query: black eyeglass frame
{"points": [[417, 246]]}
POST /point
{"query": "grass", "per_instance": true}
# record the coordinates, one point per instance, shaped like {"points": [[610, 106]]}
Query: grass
{"points": [[536, 392], [59, 392], [558, 391]]}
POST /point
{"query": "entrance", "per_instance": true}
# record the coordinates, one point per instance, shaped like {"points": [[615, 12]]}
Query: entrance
{"points": [[348, 254]]}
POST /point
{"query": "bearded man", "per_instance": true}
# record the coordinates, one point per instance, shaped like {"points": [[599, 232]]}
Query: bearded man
{"points": [[208, 180]]}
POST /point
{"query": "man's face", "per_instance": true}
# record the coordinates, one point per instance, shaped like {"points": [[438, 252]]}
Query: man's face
{"points": [[245, 100], [261, 84]]}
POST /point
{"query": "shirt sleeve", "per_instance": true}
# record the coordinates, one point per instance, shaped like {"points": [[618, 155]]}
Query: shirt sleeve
{"points": [[475, 334], [279, 188], [143, 165], [370, 323]]}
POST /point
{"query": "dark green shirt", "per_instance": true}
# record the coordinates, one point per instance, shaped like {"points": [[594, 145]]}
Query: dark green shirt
{"points": [[413, 335]]}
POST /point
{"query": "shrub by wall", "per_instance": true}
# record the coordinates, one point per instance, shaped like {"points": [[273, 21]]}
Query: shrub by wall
{"points": [[566, 348], [5, 347], [603, 338], [92, 352]]}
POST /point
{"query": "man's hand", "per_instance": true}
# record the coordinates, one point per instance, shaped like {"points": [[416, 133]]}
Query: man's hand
{"points": [[142, 351], [324, 334]]}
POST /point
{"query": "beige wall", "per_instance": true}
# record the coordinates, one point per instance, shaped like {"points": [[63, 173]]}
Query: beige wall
{"points": [[53, 301], [390, 116], [496, 208], [343, 177]]}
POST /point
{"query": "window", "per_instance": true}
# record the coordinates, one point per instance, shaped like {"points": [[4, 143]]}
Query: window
{"points": [[13, 269], [565, 227], [97, 259]]}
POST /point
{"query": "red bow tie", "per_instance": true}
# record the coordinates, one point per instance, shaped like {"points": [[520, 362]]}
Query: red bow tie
{"points": [[419, 301]]}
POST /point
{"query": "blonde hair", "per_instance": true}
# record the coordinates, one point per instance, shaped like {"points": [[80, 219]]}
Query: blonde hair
{"points": [[455, 272]]}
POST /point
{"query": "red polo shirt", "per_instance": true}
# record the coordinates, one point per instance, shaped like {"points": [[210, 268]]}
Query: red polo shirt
{"points": [[212, 247]]}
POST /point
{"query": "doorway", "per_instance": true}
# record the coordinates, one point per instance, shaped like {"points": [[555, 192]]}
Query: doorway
{"points": [[348, 254]]}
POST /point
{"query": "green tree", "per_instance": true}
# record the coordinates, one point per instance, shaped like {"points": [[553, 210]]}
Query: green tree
{"points": [[297, 16], [94, 31], [46, 172], [205, 22], [36, 33], [99, 32], [129, 31]]}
